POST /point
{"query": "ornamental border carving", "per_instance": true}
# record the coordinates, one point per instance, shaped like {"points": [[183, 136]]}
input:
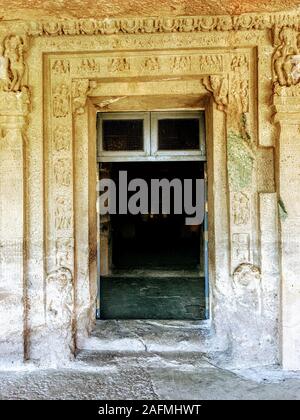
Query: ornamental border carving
{"points": [[150, 25]]}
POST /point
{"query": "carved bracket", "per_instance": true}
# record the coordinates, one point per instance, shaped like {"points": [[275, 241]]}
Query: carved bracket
{"points": [[218, 85], [81, 88]]}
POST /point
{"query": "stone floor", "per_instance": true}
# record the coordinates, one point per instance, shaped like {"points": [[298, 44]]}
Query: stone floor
{"points": [[141, 365]]}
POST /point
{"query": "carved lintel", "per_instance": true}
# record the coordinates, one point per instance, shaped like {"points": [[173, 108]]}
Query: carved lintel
{"points": [[149, 25], [218, 85], [81, 88]]}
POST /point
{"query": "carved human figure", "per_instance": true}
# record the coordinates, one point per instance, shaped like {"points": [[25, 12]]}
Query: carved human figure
{"points": [[218, 85], [14, 61], [62, 173], [283, 57], [61, 101], [62, 214], [241, 209], [60, 297]]}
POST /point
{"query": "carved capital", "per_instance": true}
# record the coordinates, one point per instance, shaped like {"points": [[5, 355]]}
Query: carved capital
{"points": [[14, 109], [81, 88]]}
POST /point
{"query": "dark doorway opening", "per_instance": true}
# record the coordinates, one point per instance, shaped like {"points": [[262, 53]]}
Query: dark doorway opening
{"points": [[155, 263]]}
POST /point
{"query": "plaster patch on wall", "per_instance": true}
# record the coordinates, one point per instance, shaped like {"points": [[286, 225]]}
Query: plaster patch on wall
{"points": [[240, 161]]}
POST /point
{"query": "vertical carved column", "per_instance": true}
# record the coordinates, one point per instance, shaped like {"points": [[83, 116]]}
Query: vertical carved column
{"points": [[59, 283], [246, 326], [286, 77], [84, 123], [13, 113], [14, 107], [287, 103]]}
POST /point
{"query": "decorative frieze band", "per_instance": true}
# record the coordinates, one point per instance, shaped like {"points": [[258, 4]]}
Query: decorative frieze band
{"points": [[152, 25]]}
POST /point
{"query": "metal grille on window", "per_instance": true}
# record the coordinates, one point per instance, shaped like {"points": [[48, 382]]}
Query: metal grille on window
{"points": [[178, 134], [123, 135]]}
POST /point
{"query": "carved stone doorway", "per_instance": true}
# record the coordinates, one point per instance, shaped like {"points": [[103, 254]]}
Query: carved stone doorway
{"points": [[152, 265]]}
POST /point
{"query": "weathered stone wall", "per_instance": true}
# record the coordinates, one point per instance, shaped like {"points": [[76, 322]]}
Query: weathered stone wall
{"points": [[55, 75]]}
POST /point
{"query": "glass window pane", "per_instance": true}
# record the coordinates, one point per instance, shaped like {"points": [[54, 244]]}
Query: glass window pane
{"points": [[178, 134], [121, 135]]}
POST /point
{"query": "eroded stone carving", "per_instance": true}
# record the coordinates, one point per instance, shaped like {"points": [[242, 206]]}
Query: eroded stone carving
{"points": [[241, 246], [81, 88], [14, 64], [211, 63], [63, 248], [62, 172], [61, 67], [181, 63], [151, 64], [247, 287], [62, 213], [61, 101], [87, 66], [60, 300], [218, 85], [118, 64], [61, 141], [152, 25], [285, 66], [13, 103], [241, 209]]}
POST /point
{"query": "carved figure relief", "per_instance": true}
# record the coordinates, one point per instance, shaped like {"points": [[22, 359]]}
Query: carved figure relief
{"points": [[284, 66], [239, 84], [61, 67], [62, 213], [151, 64], [211, 63], [61, 140], [88, 65], [118, 64], [80, 90], [241, 209], [62, 172], [181, 63], [14, 64], [64, 248], [240, 63], [59, 298], [241, 247], [61, 101], [247, 287], [218, 85]]}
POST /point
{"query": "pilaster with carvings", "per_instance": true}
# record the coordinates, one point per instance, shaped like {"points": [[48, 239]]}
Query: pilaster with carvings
{"points": [[286, 100], [14, 110]]}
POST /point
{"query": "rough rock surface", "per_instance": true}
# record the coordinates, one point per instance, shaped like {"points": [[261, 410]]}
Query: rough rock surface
{"points": [[20, 9], [148, 376]]}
